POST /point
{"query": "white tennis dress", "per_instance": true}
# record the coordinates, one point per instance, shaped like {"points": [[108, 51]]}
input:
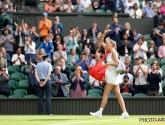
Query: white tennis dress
{"points": [[111, 76]]}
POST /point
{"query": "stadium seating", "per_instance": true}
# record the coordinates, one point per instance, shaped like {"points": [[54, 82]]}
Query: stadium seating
{"points": [[27, 67], [13, 85], [100, 11], [95, 91], [162, 62], [30, 96], [16, 96], [93, 95], [23, 84], [147, 36], [13, 69], [17, 76], [125, 95], [89, 11], [20, 92], [41, 7], [150, 60], [71, 67], [140, 94], [2, 96]]}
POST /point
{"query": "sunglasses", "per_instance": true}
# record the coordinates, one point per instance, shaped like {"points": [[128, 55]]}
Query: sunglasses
{"points": [[3, 70]]}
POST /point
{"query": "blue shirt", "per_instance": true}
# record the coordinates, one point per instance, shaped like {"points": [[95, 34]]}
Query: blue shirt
{"points": [[80, 8], [47, 47], [31, 77], [83, 65], [149, 12], [42, 69]]}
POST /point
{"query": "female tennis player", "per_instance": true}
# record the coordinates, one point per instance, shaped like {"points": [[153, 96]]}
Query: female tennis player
{"points": [[112, 78]]}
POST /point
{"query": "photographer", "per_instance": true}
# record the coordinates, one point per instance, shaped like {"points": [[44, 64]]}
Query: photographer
{"points": [[154, 78], [135, 12], [126, 87], [4, 19]]}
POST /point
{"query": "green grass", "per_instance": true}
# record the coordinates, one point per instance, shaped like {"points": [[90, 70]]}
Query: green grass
{"points": [[75, 120]]}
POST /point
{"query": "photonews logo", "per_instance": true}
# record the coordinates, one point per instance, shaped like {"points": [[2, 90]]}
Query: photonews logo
{"points": [[151, 119]]}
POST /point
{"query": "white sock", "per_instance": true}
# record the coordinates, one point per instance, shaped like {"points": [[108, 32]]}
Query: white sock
{"points": [[101, 110]]}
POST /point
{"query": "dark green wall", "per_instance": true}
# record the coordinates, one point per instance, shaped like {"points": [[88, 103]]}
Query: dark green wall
{"points": [[82, 106], [85, 20]]}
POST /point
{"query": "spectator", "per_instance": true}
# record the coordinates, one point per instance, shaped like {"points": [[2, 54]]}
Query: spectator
{"points": [[107, 26], [35, 36], [95, 60], [144, 40], [48, 7], [30, 50], [144, 4], [93, 31], [42, 52], [152, 50], [96, 4], [57, 55], [115, 15], [10, 8], [78, 80], [57, 40], [128, 64], [84, 36], [59, 80], [57, 26], [64, 69], [158, 34], [4, 18], [32, 81], [162, 8], [44, 26], [140, 49], [70, 41], [18, 58], [68, 7], [155, 8], [128, 30], [4, 84], [87, 53], [76, 33], [148, 11], [47, 45], [124, 47], [130, 76], [6, 56], [128, 4], [161, 51], [98, 49], [83, 62], [6, 4], [31, 3], [116, 30], [43, 73], [58, 6], [158, 18], [95, 84], [86, 4], [51, 37], [3, 62], [140, 72], [154, 78], [20, 35], [135, 12], [72, 57], [118, 6], [78, 7], [158, 3], [26, 28], [136, 37], [98, 36], [7, 41], [126, 86]]}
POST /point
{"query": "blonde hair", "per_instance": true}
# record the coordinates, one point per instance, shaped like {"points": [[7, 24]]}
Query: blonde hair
{"points": [[111, 41], [128, 25], [80, 68]]}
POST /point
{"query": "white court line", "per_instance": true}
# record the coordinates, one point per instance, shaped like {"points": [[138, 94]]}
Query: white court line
{"points": [[71, 123]]}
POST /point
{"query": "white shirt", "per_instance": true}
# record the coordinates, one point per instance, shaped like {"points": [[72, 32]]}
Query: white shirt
{"points": [[30, 49], [85, 3], [15, 56], [137, 14], [141, 78], [69, 9], [158, 4], [127, 5], [96, 82]]}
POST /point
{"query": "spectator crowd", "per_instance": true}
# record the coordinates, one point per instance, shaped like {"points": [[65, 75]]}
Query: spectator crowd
{"points": [[23, 49]]}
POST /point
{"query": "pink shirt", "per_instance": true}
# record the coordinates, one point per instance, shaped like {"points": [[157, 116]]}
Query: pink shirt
{"points": [[162, 9]]}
